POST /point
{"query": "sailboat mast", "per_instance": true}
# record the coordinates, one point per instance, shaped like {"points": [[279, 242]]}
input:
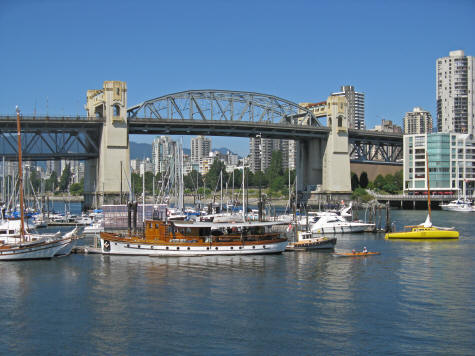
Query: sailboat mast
{"points": [[221, 203], [428, 184], [243, 192], [20, 176], [3, 180], [143, 194]]}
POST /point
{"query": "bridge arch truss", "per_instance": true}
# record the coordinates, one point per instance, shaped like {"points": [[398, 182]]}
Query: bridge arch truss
{"points": [[224, 105]]}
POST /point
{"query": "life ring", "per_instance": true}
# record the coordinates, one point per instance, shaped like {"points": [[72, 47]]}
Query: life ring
{"points": [[107, 245]]}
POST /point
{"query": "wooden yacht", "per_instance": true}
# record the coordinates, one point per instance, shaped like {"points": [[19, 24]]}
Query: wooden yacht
{"points": [[182, 238]]}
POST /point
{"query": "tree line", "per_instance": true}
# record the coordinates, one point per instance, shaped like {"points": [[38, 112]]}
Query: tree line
{"points": [[388, 184]]}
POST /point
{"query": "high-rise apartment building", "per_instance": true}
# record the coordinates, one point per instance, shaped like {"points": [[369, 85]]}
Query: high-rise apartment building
{"points": [[53, 166], [455, 93], [200, 148], [163, 149], [261, 152], [355, 106], [418, 121]]}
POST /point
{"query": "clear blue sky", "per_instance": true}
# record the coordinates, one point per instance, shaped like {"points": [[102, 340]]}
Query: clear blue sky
{"points": [[297, 50]]}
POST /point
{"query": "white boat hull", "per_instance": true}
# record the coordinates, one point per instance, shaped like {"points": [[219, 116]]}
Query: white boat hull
{"points": [[124, 248], [66, 249], [33, 251], [342, 229], [461, 208]]}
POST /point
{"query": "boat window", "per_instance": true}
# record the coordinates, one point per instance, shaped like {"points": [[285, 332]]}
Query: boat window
{"points": [[156, 226], [3, 231], [11, 231]]}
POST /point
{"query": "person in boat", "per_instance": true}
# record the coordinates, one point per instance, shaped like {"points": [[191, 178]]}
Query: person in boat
{"points": [[353, 251], [365, 250]]}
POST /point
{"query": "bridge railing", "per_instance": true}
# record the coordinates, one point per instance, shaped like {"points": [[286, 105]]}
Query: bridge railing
{"points": [[52, 118]]}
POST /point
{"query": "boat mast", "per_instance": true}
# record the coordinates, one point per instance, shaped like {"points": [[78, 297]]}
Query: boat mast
{"points": [[3, 180], [243, 192], [143, 195], [428, 184], [221, 203], [20, 176]]}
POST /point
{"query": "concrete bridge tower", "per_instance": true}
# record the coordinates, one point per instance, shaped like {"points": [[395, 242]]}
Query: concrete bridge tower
{"points": [[107, 177], [336, 177], [324, 163]]}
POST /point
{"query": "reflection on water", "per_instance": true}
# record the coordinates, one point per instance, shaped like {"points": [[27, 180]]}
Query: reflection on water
{"points": [[413, 298]]}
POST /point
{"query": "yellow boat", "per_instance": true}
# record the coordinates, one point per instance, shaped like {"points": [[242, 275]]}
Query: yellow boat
{"points": [[423, 232]]}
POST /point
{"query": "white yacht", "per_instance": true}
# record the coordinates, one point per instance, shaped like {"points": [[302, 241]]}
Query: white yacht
{"points": [[460, 205], [328, 223]]}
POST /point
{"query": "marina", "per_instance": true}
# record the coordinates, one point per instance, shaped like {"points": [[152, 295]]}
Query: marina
{"points": [[274, 304], [197, 178]]}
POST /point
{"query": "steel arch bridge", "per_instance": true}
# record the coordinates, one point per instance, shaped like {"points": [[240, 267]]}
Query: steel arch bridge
{"points": [[192, 112], [224, 105]]}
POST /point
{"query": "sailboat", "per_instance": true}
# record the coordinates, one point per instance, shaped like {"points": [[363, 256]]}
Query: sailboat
{"points": [[29, 246], [425, 230]]}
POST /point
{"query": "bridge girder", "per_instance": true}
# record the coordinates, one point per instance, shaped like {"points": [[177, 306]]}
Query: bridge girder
{"points": [[224, 105], [49, 138], [375, 151]]}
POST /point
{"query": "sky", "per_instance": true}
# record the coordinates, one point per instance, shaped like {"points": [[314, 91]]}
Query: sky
{"points": [[53, 51]]}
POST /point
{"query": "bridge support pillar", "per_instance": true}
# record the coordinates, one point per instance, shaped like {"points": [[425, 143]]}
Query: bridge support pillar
{"points": [[103, 184], [309, 163], [336, 159], [323, 165]]}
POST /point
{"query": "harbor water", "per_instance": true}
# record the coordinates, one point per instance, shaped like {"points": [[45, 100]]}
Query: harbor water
{"points": [[414, 298]]}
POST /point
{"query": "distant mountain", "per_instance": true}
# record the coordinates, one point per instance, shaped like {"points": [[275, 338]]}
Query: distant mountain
{"points": [[141, 150], [223, 150]]}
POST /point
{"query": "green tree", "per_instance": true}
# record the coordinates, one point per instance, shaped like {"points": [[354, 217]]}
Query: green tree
{"points": [[364, 180], [193, 180], [213, 175], [275, 167], [35, 180], [149, 182], [361, 194], [52, 182], [379, 182], [65, 178], [399, 180], [237, 178], [76, 189], [136, 183], [258, 178], [354, 181], [277, 184]]}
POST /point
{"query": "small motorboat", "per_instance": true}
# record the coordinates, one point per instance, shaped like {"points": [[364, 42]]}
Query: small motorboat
{"points": [[307, 241]]}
